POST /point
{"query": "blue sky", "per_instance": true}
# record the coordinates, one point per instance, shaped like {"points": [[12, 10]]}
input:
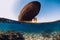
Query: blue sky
{"points": [[50, 9]]}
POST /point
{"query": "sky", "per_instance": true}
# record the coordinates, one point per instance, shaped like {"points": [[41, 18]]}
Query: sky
{"points": [[50, 9]]}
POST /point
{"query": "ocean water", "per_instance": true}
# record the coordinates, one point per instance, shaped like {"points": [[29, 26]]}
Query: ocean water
{"points": [[30, 27], [34, 31]]}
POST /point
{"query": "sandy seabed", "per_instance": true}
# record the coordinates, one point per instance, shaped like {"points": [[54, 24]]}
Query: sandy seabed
{"points": [[40, 36], [30, 36]]}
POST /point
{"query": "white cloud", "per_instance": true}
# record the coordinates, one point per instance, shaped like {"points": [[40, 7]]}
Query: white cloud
{"points": [[6, 9]]}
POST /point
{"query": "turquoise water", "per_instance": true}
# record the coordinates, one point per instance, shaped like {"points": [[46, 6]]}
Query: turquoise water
{"points": [[30, 27], [33, 31]]}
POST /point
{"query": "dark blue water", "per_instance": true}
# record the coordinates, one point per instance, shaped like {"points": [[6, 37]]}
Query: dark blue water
{"points": [[30, 27]]}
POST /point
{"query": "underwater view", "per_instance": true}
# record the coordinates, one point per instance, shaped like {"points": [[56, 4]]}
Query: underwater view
{"points": [[14, 30]]}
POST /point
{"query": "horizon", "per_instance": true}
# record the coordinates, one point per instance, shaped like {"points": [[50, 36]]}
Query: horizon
{"points": [[50, 9]]}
